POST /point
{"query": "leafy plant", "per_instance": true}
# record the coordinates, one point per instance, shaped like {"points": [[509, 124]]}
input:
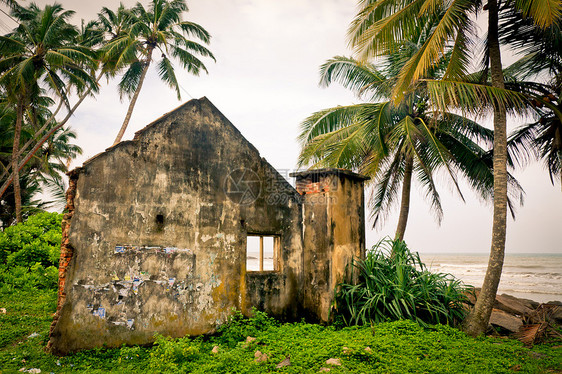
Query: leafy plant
{"points": [[238, 327], [29, 253], [36, 277], [36, 240], [393, 284], [390, 347], [169, 354]]}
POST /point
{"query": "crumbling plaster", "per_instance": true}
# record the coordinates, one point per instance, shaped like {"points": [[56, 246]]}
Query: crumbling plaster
{"points": [[154, 237]]}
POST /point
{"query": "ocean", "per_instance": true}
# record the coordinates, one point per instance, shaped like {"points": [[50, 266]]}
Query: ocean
{"points": [[531, 276]]}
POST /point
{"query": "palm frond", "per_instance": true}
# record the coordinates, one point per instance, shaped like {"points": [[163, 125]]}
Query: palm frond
{"points": [[543, 12], [454, 21], [357, 76], [130, 80], [473, 97], [193, 29], [167, 74]]}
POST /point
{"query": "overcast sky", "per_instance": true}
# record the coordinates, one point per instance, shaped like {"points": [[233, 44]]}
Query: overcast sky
{"points": [[265, 81]]}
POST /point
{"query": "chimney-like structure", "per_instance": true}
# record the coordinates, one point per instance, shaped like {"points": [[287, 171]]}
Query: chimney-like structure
{"points": [[333, 232]]}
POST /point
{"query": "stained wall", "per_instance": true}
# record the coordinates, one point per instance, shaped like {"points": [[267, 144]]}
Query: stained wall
{"points": [[157, 235]]}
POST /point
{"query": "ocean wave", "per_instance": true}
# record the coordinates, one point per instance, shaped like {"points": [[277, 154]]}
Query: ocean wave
{"points": [[533, 291], [479, 266], [537, 278], [544, 277]]}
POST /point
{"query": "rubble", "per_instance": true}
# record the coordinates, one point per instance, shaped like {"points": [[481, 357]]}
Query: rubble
{"points": [[526, 320]]}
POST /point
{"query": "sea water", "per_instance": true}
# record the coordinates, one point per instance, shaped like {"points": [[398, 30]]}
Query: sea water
{"points": [[531, 276]]}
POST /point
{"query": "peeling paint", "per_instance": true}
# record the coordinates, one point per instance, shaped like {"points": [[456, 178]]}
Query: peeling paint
{"points": [[153, 244]]}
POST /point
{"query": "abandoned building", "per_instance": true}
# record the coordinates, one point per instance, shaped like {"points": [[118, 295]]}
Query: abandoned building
{"points": [[158, 231]]}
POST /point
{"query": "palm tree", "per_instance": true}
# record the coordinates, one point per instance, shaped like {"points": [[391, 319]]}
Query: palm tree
{"points": [[115, 27], [377, 29], [39, 54], [52, 162], [45, 168], [393, 144], [541, 50], [159, 28], [115, 24]]}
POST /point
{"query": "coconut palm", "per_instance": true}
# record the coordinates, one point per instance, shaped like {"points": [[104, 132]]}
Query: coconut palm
{"points": [[392, 144], [116, 25], [40, 54], [538, 73], [44, 169], [381, 25], [90, 36], [160, 27]]}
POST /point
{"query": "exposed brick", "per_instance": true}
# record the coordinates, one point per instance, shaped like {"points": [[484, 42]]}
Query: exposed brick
{"points": [[66, 250]]}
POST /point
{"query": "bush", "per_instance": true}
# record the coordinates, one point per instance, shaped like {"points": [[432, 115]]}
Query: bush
{"points": [[35, 240], [393, 284], [238, 327], [21, 277], [29, 253], [170, 355]]}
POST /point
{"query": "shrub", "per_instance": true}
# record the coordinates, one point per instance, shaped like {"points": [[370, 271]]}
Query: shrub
{"points": [[238, 327], [29, 253], [169, 355], [35, 240], [21, 277], [393, 284]]}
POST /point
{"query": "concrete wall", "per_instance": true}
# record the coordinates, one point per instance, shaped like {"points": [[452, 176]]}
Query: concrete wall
{"points": [[154, 236], [158, 235], [333, 233]]}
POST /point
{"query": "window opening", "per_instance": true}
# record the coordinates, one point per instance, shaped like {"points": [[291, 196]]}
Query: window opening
{"points": [[261, 253]]}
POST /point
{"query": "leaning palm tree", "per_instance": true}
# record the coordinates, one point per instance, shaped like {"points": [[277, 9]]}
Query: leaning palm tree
{"points": [[40, 54], [159, 28], [381, 25], [52, 161], [44, 171], [394, 144], [116, 25]]}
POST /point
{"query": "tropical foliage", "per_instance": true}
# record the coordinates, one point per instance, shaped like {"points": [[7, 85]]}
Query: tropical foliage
{"points": [[538, 73], [29, 253], [392, 283], [392, 143], [42, 174], [46, 60], [40, 55], [382, 26], [139, 32]]}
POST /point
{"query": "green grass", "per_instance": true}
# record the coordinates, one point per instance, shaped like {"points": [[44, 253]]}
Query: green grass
{"points": [[395, 347]]}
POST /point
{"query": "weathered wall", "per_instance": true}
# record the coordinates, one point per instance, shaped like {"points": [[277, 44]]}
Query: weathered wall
{"points": [[333, 233], [158, 234]]}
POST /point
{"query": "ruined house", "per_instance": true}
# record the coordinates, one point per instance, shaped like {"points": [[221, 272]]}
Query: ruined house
{"points": [[157, 230]]}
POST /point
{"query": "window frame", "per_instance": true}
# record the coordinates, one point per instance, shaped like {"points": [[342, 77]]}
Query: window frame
{"points": [[276, 252]]}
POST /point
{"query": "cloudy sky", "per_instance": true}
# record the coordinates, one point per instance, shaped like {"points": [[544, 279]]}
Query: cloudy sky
{"points": [[265, 81]]}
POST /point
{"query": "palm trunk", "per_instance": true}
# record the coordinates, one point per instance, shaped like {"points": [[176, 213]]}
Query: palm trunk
{"points": [[558, 144], [29, 142], [405, 202], [15, 160], [46, 136], [134, 98], [477, 321]]}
